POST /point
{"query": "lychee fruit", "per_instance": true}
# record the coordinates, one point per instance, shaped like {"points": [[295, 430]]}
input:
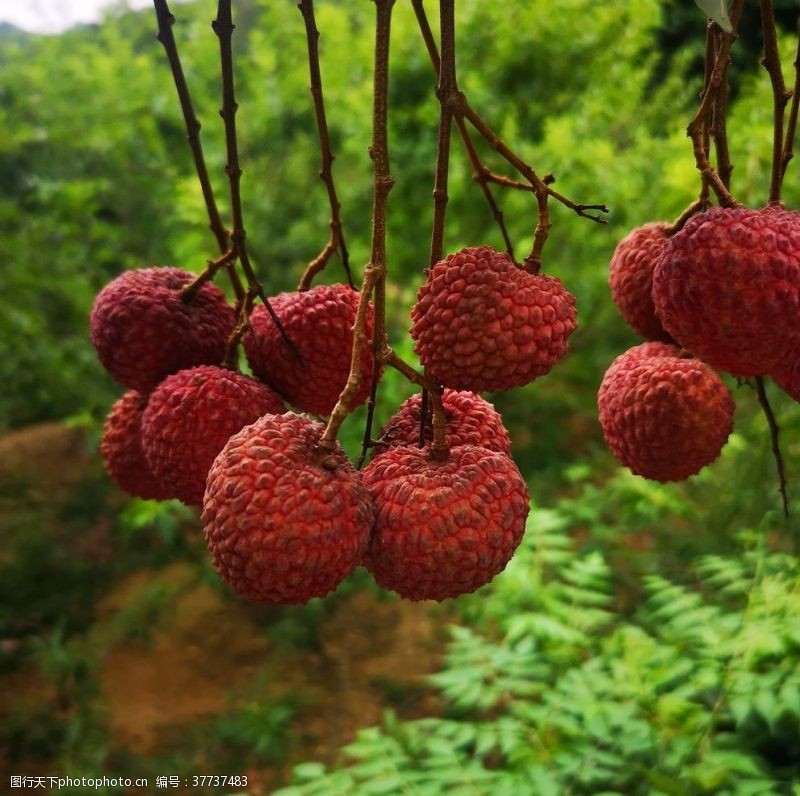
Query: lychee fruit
{"points": [[630, 277], [143, 330], [443, 528], [727, 288], [121, 448], [470, 421], [189, 418], [787, 376], [282, 524], [664, 417], [483, 323], [319, 323]]}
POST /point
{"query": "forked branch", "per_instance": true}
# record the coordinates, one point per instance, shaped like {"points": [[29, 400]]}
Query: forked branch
{"points": [[791, 125], [336, 241], [771, 61], [481, 173], [167, 38], [463, 111], [375, 269], [374, 282], [223, 27], [696, 129]]}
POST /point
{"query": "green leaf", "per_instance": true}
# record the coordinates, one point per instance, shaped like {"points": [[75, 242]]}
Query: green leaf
{"points": [[718, 10]]}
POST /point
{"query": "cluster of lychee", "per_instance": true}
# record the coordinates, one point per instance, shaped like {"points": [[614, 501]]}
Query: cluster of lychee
{"points": [[720, 294], [286, 518]]}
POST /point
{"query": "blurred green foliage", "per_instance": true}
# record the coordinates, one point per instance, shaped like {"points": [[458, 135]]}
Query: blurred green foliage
{"points": [[645, 638], [550, 690]]}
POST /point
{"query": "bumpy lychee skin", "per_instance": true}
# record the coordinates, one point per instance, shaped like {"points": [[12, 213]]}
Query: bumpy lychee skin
{"points": [[319, 322], [787, 377], [470, 421], [630, 277], [281, 527], [664, 417], [482, 323], [143, 330], [443, 528], [121, 448], [727, 288], [189, 418]]}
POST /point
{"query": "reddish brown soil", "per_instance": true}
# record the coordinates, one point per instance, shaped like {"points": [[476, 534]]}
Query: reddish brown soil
{"points": [[202, 652]]}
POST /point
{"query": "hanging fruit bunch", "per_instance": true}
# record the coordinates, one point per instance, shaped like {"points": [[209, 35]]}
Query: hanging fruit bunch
{"points": [[441, 507], [717, 291]]}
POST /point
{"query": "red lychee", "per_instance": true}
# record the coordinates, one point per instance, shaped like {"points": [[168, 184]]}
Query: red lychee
{"points": [[443, 528], [319, 322], [630, 276], [143, 330], [482, 323], [281, 526], [470, 421], [121, 447], [727, 288], [787, 377], [189, 418], [662, 416]]}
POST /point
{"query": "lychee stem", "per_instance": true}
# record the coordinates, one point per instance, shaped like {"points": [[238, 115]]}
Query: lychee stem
{"points": [[223, 27], [774, 432], [462, 111], [719, 120], [375, 269], [771, 61], [336, 240], [210, 271], [791, 125], [165, 35], [695, 129], [446, 90], [480, 172]]}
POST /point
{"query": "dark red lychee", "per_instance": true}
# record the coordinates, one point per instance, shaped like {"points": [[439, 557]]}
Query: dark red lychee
{"points": [[189, 418], [319, 322], [470, 421], [443, 528], [727, 288], [121, 447], [482, 323], [664, 417], [281, 527], [787, 377], [630, 276], [143, 330]]}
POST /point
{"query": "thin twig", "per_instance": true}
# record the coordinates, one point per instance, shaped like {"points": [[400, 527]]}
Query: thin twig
{"points": [[774, 431], [367, 442], [480, 173], [695, 207], [461, 109], [375, 269], [212, 266], [695, 129], [165, 35], [446, 90], [719, 122], [771, 61], [223, 27], [791, 125], [506, 182], [336, 240], [710, 58]]}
